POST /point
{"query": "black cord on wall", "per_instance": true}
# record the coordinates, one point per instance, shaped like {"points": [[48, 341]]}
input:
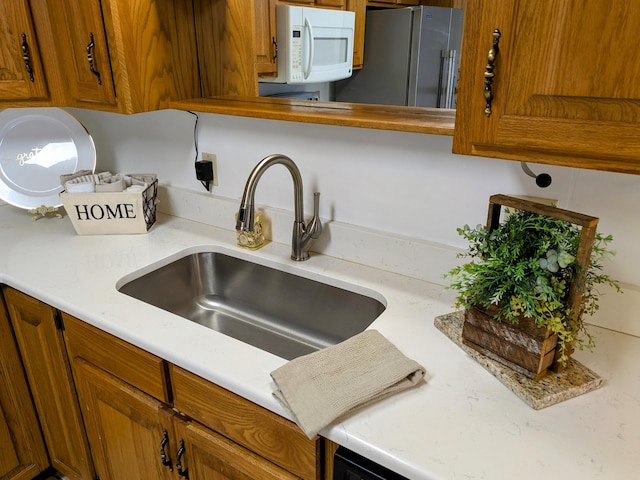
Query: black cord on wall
{"points": [[195, 143], [195, 132]]}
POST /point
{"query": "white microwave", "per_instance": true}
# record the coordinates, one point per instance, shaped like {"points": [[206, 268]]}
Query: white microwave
{"points": [[314, 45]]}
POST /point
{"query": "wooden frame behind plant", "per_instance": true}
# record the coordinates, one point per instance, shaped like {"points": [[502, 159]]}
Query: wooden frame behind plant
{"points": [[588, 228]]}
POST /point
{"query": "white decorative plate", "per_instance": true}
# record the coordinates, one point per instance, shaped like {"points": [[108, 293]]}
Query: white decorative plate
{"points": [[37, 145]]}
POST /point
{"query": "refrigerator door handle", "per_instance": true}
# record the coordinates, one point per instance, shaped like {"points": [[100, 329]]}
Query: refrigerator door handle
{"points": [[443, 61], [446, 82]]}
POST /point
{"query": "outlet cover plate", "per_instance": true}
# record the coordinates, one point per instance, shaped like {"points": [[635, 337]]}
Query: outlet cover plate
{"points": [[211, 157]]}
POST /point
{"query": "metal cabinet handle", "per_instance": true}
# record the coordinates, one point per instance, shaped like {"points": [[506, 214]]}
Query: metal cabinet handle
{"points": [[26, 56], [489, 74], [275, 48], [166, 461], [90, 48], [182, 472]]}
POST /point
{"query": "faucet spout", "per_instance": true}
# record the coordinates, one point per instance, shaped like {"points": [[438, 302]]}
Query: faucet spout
{"points": [[302, 235]]}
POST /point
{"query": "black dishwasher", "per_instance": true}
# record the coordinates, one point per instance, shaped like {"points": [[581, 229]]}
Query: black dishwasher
{"points": [[348, 465]]}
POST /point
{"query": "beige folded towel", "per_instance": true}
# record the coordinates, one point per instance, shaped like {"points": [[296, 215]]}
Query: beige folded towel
{"points": [[318, 388]]}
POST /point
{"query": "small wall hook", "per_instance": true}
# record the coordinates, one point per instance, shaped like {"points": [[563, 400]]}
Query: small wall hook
{"points": [[543, 180]]}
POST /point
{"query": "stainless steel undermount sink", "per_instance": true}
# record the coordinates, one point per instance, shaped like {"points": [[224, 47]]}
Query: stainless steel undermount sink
{"points": [[279, 312]]}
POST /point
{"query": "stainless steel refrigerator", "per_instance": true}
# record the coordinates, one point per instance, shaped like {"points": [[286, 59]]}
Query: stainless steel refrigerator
{"points": [[411, 57]]}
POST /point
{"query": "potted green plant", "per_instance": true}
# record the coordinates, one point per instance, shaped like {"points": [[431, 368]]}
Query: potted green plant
{"points": [[531, 278]]}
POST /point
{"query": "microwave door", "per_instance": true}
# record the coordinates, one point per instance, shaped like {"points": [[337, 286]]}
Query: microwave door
{"points": [[327, 54]]}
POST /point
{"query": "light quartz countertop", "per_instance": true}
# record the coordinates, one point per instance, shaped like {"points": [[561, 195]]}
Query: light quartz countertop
{"points": [[461, 423]]}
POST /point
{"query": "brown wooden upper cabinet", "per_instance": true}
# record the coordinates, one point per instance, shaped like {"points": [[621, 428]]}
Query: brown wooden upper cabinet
{"points": [[266, 45], [563, 86], [22, 76], [79, 45], [110, 55]]}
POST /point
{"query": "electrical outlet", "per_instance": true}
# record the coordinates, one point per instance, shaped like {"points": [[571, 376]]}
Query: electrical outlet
{"points": [[211, 157]]}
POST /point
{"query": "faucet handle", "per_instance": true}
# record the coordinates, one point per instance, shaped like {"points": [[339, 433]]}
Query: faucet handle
{"points": [[314, 229]]}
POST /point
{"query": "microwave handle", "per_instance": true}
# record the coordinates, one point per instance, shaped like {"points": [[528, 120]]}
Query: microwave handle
{"points": [[309, 29]]}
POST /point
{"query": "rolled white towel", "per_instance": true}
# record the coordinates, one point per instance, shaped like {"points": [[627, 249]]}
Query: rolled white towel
{"points": [[80, 187], [114, 183]]}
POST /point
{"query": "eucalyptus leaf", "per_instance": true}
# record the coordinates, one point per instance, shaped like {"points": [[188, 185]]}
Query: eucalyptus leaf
{"points": [[565, 259]]}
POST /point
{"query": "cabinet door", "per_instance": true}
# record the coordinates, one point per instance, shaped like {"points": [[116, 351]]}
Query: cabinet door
{"points": [[209, 456], [22, 451], [226, 42], [21, 73], [266, 37], [359, 7], [45, 361], [565, 86], [126, 427], [78, 34]]}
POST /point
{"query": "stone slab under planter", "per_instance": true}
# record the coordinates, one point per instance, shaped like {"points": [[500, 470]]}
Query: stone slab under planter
{"points": [[574, 380]]}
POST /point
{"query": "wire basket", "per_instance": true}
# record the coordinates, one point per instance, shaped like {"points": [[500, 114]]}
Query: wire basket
{"points": [[112, 212]]}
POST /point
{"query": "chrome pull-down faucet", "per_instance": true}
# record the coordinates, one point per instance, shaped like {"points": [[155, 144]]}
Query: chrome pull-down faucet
{"points": [[303, 235]]}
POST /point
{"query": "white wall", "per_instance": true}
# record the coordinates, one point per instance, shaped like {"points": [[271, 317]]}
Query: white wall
{"points": [[402, 183], [405, 184]]}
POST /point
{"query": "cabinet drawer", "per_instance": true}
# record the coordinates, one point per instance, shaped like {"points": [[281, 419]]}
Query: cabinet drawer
{"points": [[131, 364], [341, 4], [261, 431]]}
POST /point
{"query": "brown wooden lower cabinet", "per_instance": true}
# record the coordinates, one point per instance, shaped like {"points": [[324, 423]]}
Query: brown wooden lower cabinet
{"points": [[22, 451], [47, 367], [210, 456], [136, 437], [247, 424], [199, 430], [105, 409], [125, 426]]}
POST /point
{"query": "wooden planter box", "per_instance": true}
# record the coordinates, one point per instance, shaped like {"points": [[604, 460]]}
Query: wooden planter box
{"points": [[525, 348]]}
